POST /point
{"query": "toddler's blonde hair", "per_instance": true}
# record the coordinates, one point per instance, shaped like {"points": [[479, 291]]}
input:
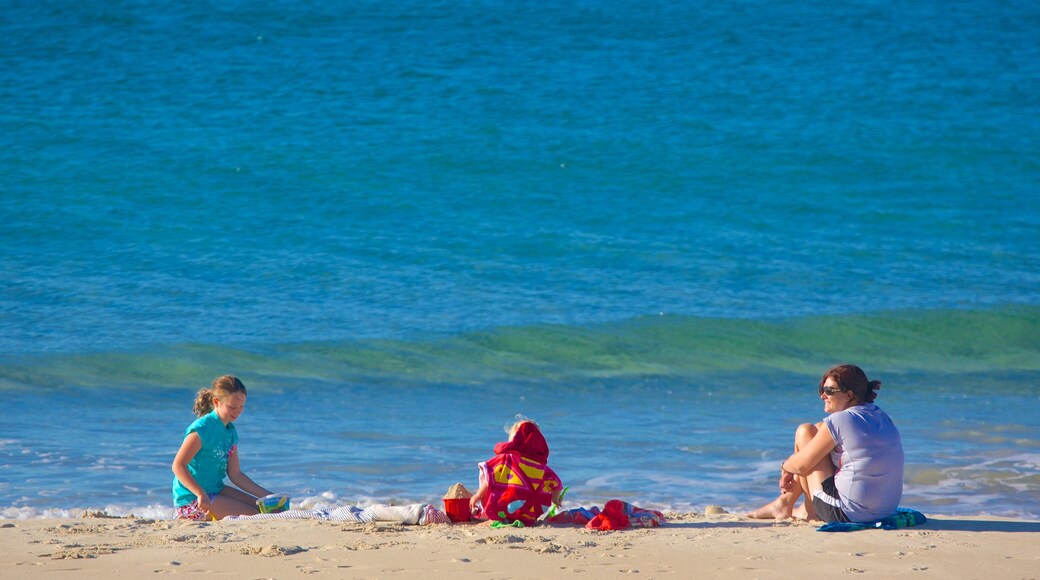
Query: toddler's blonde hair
{"points": [[518, 420]]}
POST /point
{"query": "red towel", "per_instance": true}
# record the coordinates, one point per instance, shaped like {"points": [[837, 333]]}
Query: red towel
{"points": [[611, 518]]}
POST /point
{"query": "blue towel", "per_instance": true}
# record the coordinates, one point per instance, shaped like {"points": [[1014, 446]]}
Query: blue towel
{"points": [[903, 518]]}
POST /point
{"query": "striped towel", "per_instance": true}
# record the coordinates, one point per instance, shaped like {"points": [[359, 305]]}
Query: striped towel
{"points": [[314, 514], [414, 514]]}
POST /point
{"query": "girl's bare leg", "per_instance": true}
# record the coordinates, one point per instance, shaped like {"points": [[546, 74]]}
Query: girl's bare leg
{"points": [[233, 502]]}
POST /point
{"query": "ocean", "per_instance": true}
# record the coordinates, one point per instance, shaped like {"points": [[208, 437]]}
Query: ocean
{"points": [[649, 226]]}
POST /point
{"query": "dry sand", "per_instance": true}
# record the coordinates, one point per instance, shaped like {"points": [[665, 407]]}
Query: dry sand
{"points": [[690, 545]]}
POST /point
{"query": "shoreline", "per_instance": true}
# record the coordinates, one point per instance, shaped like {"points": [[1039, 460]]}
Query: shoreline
{"points": [[716, 546]]}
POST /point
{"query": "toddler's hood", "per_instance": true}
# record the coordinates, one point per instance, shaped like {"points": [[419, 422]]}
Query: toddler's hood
{"points": [[528, 441]]}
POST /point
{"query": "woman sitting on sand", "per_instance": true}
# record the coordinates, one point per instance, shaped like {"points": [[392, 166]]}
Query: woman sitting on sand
{"points": [[850, 464]]}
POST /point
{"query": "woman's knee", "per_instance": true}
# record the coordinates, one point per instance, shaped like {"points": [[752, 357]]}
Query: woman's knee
{"points": [[804, 434], [806, 431]]}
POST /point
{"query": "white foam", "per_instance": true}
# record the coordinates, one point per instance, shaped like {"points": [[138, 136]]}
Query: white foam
{"points": [[154, 511]]}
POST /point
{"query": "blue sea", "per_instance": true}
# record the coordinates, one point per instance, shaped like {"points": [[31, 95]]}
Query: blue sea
{"points": [[650, 226]]}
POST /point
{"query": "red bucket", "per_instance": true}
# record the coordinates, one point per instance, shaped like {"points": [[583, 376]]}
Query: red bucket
{"points": [[457, 509]]}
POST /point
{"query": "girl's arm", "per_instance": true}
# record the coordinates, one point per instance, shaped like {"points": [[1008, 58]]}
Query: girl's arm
{"points": [[189, 447], [240, 479], [803, 461]]}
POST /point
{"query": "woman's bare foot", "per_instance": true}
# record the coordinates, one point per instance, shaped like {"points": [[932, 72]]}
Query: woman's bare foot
{"points": [[778, 509]]}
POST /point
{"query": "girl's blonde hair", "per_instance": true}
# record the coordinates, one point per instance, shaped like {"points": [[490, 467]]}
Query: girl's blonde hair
{"points": [[223, 388]]}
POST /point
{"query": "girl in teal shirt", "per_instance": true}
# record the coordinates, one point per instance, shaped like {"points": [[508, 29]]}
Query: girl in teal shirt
{"points": [[209, 453]]}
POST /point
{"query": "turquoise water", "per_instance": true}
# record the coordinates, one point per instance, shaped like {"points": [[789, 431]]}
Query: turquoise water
{"points": [[651, 226]]}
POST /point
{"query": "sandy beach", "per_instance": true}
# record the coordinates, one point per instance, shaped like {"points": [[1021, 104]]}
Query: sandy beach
{"points": [[716, 546]]}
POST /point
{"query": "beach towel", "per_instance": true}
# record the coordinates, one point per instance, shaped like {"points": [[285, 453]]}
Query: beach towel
{"points": [[520, 485], [415, 514], [615, 515], [903, 518], [612, 517]]}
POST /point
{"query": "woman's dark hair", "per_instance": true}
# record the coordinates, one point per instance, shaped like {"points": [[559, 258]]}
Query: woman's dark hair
{"points": [[852, 378]]}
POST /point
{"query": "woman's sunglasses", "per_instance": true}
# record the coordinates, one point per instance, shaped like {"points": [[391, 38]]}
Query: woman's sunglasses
{"points": [[829, 391]]}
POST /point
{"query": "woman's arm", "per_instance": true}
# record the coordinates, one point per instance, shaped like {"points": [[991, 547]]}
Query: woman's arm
{"points": [[189, 447], [803, 461], [240, 479]]}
